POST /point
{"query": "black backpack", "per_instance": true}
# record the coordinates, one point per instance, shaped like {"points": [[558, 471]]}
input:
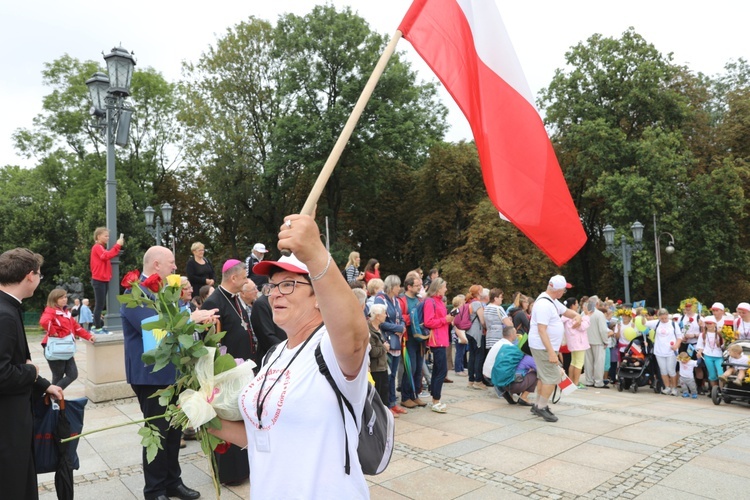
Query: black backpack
{"points": [[376, 426]]}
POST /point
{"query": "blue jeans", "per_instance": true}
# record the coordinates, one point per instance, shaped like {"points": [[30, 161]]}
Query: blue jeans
{"points": [[476, 357], [393, 362], [458, 363], [439, 371], [713, 365], [414, 351]]}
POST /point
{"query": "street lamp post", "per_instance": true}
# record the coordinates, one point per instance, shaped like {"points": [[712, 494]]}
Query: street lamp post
{"points": [[155, 229], [657, 248], [108, 93], [625, 250]]}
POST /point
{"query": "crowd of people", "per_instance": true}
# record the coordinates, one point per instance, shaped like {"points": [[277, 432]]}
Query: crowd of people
{"points": [[418, 339]]}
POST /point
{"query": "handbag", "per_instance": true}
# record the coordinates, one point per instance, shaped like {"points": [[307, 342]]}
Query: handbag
{"points": [[54, 421], [60, 348]]}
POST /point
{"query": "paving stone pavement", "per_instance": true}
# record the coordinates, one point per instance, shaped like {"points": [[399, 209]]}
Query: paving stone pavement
{"points": [[607, 444]]}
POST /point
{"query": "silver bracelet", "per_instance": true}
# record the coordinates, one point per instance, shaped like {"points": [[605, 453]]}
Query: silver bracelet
{"points": [[324, 271]]}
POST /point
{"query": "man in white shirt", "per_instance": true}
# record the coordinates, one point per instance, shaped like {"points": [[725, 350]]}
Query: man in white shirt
{"points": [[545, 336]]}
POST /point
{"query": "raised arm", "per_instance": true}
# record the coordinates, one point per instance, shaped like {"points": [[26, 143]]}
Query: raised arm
{"points": [[339, 307]]}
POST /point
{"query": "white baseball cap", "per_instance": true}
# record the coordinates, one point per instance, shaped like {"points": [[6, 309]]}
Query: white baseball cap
{"points": [[718, 305], [744, 306], [558, 282], [291, 264], [709, 319], [260, 247]]}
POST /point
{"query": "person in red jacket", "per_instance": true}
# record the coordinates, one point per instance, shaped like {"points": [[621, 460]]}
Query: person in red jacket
{"points": [[58, 322], [101, 271]]}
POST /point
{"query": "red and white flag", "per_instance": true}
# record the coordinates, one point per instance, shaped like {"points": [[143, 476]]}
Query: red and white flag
{"points": [[466, 45]]}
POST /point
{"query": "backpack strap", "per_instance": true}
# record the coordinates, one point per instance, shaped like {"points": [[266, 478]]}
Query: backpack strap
{"points": [[268, 354], [323, 367]]}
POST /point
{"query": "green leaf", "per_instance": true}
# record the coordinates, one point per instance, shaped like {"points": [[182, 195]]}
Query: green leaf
{"points": [[159, 323], [149, 357], [199, 353], [186, 341], [214, 423], [224, 363]]}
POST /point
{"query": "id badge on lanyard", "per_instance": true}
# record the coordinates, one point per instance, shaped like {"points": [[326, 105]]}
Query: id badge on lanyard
{"points": [[262, 441]]}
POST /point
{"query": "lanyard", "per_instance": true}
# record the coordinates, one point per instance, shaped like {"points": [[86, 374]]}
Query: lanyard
{"points": [[261, 402]]}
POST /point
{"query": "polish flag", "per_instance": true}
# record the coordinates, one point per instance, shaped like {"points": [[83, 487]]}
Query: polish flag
{"points": [[466, 45]]}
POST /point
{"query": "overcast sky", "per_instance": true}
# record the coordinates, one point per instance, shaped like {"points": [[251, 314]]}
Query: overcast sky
{"points": [[163, 33]]}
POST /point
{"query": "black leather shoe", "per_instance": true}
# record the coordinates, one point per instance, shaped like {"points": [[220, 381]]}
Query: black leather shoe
{"points": [[162, 497], [509, 398], [183, 492]]}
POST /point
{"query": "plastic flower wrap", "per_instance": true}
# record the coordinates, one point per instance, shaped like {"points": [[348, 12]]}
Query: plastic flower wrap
{"points": [[221, 380]]}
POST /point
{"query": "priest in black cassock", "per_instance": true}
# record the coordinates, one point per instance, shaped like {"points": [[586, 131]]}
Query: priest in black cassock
{"points": [[233, 465]]}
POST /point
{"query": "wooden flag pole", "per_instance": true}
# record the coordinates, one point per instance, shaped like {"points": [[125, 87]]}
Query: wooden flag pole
{"points": [[346, 133]]}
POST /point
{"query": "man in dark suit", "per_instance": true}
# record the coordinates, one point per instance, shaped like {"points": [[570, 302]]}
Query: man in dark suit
{"points": [[162, 475], [233, 464], [19, 377]]}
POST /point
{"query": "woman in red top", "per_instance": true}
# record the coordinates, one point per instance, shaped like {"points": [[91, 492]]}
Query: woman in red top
{"points": [[57, 322], [101, 271], [437, 319], [372, 270]]}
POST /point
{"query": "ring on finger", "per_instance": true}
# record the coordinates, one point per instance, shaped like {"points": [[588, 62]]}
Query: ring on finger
{"points": [[288, 223]]}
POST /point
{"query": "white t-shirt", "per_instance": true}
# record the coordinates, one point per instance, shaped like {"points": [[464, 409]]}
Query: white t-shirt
{"points": [[303, 427], [547, 313], [686, 369], [738, 363], [711, 345], [666, 333], [691, 329], [489, 361]]}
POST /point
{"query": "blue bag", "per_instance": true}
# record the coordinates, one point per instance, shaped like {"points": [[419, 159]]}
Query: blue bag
{"points": [[50, 419]]}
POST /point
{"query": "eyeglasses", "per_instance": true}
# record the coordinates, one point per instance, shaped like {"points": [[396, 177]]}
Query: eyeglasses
{"points": [[285, 287], [41, 276]]}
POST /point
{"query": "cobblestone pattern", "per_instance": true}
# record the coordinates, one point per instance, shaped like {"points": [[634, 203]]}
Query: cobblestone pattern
{"points": [[108, 475], [628, 484]]}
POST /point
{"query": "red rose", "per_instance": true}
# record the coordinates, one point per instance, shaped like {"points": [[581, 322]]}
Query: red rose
{"points": [[691, 319], [222, 448], [132, 277], [153, 283]]}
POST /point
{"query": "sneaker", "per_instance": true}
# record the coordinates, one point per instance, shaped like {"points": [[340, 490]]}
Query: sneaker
{"points": [[462, 374], [675, 391], [547, 415], [420, 403], [685, 395], [439, 407], [694, 396], [582, 387], [409, 403], [666, 391]]}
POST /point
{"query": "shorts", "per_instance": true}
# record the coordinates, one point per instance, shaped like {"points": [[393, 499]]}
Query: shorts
{"points": [[577, 359], [548, 373], [667, 365]]}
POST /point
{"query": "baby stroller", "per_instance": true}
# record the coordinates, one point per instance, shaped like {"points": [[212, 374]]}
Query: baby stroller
{"points": [[638, 367], [732, 392]]}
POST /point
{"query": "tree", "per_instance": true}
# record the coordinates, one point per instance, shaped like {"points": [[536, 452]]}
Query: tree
{"points": [[70, 155], [329, 56]]}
